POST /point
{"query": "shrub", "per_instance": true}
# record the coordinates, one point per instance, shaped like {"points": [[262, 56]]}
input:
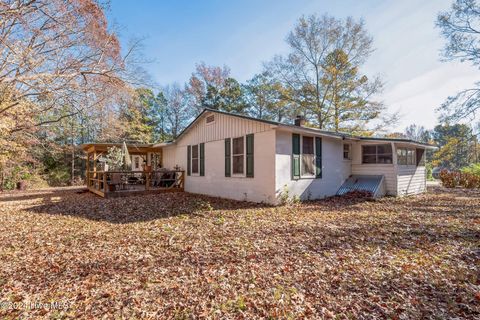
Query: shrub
{"points": [[59, 177], [452, 179], [469, 180], [15, 175], [474, 169], [449, 178], [429, 172], [284, 196]]}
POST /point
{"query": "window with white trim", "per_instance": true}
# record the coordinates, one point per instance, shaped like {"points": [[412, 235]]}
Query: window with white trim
{"points": [[377, 154], [307, 156], [238, 155], [195, 159], [347, 151]]}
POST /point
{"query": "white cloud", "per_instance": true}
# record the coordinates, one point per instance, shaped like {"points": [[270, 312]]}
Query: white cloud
{"points": [[417, 98]]}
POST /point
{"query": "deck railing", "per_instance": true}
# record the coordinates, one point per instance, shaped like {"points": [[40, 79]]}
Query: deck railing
{"points": [[104, 183]]}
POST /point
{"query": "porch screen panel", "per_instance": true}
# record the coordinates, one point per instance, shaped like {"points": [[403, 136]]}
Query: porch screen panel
{"points": [[420, 157]]}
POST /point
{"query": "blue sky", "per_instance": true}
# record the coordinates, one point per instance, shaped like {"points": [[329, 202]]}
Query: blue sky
{"points": [[244, 34]]}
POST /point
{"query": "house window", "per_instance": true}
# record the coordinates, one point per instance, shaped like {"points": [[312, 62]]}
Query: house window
{"points": [[406, 156], [238, 153], [378, 154], [195, 158], [210, 119], [346, 151], [308, 156]]}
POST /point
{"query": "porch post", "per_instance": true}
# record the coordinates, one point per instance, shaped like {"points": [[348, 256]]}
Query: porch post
{"points": [[394, 154], [87, 175], [95, 164], [104, 174]]}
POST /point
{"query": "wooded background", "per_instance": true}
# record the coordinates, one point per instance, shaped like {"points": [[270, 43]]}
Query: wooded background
{"points": [[65, 79]]}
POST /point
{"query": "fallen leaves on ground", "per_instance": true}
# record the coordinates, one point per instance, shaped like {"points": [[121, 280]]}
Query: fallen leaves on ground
{"points": [[182, 256]]}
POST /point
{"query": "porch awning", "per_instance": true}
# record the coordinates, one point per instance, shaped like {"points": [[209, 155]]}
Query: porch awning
{"points": [[132, 147]]}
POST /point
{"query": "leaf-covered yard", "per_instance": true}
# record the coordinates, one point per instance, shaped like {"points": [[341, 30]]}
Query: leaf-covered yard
{"points": [[188, 256]]}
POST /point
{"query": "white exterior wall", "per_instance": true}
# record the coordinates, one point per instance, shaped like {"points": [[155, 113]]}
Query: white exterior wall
{"points": [[169, 155], [387, 170], [140, 162], [260, 188], [223, 127], [335, 170], [272, 164], [411, 180]]}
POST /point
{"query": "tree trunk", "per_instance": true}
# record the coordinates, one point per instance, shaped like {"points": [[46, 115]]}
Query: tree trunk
{"points": [[82, 140], [317, 98], [72, 179]]}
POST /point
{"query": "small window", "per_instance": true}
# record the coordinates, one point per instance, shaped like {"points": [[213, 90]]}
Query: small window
{"points": [[346, 151], [195, 159], [378, 154], [308, 156], [406, 156], [210, 119], [137, 162], [238, 153]]}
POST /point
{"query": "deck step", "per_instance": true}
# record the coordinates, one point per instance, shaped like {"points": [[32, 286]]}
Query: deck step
{"points": [[373, 183]]}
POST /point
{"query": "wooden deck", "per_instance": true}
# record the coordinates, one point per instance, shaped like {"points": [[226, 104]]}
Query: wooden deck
{"points": [[114, 184]]}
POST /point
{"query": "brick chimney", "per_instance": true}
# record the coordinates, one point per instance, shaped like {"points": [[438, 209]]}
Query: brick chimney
{"points": [[300, 121]]}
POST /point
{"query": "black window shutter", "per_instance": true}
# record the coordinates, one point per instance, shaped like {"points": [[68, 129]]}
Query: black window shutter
{"points": [[189, 160], [250, 145], [295, 156], [318, 157], [228, 162], [202, 159]]}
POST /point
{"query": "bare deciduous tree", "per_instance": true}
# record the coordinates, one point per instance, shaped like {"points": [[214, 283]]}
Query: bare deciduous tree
{"points": [[319, 88], [178, 111], [58, 60], [205, 79], [461, 28], [54, 54]]}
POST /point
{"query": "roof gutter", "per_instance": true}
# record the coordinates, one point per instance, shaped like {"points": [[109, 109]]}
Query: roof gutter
{"points": [[400, 141], [292, 128]]}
